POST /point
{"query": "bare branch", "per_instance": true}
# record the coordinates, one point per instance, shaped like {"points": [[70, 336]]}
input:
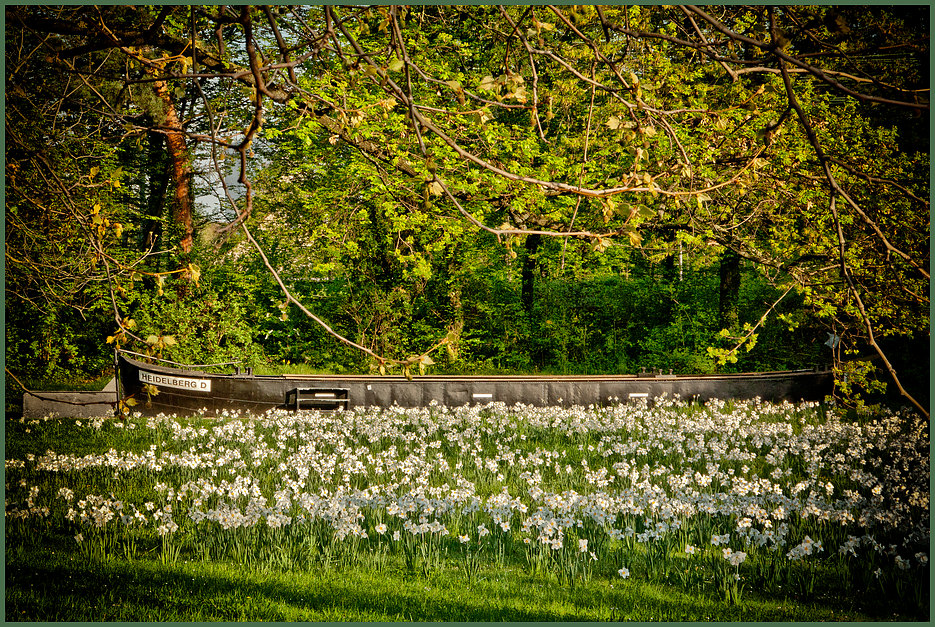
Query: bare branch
{"points": [[324, 325], [776, 50]]}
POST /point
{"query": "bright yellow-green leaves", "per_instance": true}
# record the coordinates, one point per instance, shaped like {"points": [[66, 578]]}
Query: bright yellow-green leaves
{"points": [[415, 131]]}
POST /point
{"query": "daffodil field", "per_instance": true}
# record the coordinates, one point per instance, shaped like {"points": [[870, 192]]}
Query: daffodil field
{"points": [[729, 501]]}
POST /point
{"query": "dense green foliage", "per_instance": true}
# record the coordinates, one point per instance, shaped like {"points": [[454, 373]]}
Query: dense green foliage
{"points": [[574, 189]]}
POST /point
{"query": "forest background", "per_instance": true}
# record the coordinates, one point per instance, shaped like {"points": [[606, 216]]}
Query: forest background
{"points": [[470, 189]]}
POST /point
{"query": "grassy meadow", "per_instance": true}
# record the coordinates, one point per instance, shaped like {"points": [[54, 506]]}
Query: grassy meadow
{"points": [[726, 511]]}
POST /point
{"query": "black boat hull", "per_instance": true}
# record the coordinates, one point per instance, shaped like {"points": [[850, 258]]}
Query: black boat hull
{"points": [[159, 389]]}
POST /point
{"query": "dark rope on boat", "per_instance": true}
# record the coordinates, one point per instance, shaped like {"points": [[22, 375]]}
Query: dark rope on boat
{"points": [[175, 363]]}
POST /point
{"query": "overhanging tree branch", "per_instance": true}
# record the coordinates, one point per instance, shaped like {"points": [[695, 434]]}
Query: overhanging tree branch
{"points": [[381, 360], [776, 50], [835, 190]]}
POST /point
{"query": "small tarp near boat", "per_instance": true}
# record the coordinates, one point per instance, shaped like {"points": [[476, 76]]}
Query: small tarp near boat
{"points": [[162, 389]]}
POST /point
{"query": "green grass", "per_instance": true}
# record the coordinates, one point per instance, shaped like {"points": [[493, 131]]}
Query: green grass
{"points": [[304, 571], [95, 384], [63, 587], [481, 370], [281, 369]]}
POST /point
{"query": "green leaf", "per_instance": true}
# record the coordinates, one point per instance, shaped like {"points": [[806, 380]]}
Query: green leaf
{"points": [[193, 273], [489, 83], [484, 115], [600, 244], [519, 94]]}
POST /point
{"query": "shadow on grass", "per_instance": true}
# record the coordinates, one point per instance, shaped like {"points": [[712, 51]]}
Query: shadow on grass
{"points": [[116, 590], [60, 588]]}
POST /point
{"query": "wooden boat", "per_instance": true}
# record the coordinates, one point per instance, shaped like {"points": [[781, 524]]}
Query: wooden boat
{"points": [[161, 389]]}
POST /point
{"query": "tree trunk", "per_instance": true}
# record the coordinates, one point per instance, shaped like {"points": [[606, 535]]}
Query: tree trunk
{"points": [[180, 166], [155, 193], [729, 290], [529, 270]]}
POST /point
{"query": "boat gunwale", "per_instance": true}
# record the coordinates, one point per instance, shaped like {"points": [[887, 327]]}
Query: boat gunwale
{"points": [[435, 378]]}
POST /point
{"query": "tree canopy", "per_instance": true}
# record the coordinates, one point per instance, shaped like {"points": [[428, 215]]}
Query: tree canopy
{"points": [[389, 158]]}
